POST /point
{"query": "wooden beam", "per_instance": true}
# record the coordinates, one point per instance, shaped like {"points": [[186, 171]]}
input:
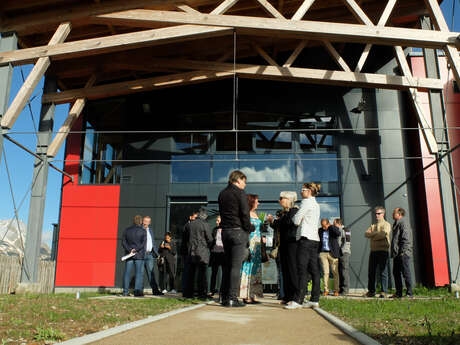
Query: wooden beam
{"points": [[295, 53], [112, 43], [264, 54], [382, 22], [217, 70], [296, 29], [79, 11], [450, 50], [224, 6], [422, 119], [129, 87], [300, 13], [32, 80], [357, 12], [74, 113], [336, 56], [187, 8], [268, 7]]}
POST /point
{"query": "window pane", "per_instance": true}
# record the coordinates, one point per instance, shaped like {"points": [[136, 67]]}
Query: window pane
{"points": [[227, 141], [329, 207], [222, 166], [267, 168], [273, 140], [195, 168], [317, 167], [315, 140]]}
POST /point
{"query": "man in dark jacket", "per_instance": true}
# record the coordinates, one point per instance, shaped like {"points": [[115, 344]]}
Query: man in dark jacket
{"points": [[236, 226], [329, 253], [200, 240], [133, 241], [183, 250], [401, 252]]}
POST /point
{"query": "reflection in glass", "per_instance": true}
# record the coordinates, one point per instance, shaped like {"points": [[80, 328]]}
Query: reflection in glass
{"points": [[192, 143], [273, 140], [222, 166], [314, 140], [329, 207], [227, 142], [196, 168], [317, 167], [271, 168]]}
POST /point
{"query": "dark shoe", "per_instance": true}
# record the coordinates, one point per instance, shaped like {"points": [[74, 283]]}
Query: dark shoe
{"points": [[125, 295], [396, 296], [369, 294], [254, 301], [157, 293], [234, 303], [138, 294], [383, 295]]}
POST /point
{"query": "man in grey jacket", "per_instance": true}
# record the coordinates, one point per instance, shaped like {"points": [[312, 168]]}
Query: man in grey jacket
{"points": [[401, 252]]}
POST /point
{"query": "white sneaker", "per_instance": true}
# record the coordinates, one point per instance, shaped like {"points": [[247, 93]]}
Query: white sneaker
{"points": [[173, 291], [164, 291], [293, 305], [310, 304]]}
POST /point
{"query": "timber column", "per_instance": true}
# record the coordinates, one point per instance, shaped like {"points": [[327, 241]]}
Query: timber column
{"points": [[8, 42], [29, 274]]}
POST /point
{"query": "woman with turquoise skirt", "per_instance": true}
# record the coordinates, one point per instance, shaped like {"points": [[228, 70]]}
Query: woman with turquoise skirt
{"points": [[251, 271]]}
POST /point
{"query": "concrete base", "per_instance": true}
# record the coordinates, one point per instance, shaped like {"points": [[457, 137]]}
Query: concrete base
{"points": [[23, 288]]}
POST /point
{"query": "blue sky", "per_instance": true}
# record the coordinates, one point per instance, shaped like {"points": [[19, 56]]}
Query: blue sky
{"points": [[20, 163]]}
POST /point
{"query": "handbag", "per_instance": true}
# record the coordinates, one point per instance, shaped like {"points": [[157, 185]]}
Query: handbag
{"points": [[160, 260]]}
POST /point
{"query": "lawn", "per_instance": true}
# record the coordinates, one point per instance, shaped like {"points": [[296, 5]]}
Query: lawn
{"points": [[44, 319], [420, 321]]}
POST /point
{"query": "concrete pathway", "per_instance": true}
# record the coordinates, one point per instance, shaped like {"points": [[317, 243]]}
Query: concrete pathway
{"points": [[262, 324]]}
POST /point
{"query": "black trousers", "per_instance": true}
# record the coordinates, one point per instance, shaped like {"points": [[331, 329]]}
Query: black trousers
{"points": [[169, 268], [199, 270], [217, 260], [307, 262], [401, 266], [378, 259], [236, 250], [288, 257], [344, 273]]}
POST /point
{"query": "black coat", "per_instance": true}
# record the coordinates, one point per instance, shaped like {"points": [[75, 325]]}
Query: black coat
{"points": [[334, 234], [285, 226], [135, 237], [200, 240], [234, 209], [168, 254]]}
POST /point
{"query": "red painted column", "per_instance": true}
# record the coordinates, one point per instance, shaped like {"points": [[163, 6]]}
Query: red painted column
{"points": [[435, 244], [88, 226]]}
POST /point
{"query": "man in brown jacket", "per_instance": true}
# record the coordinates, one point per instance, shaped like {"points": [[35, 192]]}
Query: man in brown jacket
{"points": [[379, 236]]}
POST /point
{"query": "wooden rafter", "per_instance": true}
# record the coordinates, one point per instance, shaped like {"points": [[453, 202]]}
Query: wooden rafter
{"points": [[302, 10], [382, 22], [264, 54], [358, 12], [112, 43], [209, 70], [421, 117], [297, 29], [270, 9], [336, 56], [37, 72], [224, 6], [295, 53], [74, 113]]}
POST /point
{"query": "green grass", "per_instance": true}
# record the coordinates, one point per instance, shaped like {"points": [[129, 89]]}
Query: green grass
{"points": [[402, 321], [41, 319]]}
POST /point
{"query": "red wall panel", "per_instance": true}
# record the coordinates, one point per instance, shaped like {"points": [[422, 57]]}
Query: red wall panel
{"points": [[435, 249], [88, 227]]}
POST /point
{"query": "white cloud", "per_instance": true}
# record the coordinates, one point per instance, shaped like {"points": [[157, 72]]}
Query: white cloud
{"points": [[281, 174], [47, 237]]}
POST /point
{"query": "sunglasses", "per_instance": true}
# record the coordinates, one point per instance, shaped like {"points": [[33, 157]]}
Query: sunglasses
{"points": [[378, 212]]}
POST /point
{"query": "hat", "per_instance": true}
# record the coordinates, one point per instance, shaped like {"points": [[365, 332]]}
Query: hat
{"points": [[289, 195]]}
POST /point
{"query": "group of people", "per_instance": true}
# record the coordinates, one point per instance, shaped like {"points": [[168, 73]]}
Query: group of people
{"points": [[237, 246], [138, 242]]}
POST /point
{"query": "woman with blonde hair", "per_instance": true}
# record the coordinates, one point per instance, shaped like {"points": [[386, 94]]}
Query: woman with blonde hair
{"points": [[307, 219]]}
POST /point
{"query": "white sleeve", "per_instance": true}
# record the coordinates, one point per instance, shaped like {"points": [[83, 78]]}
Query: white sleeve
{"points": [[300, 213]]}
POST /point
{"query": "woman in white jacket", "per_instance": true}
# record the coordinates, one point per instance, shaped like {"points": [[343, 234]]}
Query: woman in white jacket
{"points": [[307, 220]]}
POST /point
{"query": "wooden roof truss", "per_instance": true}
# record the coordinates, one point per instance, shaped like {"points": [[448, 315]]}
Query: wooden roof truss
{"points": [[146, 25]]}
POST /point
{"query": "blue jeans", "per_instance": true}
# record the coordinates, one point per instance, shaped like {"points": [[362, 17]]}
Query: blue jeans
{"points": [[139, 275], [149, 262]]}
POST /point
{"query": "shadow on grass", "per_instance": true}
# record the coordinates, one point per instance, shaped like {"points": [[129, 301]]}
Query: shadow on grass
{"points": [[418, 340]]}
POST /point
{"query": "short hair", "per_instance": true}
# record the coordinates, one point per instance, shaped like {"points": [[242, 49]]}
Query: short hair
{"points": [[314, 187], [325, 220], [252, 200], [235, 175], [137, 219], [338, 221], [168, 234], [380, 208], [147, 217], [202, 213], [401, 211]]}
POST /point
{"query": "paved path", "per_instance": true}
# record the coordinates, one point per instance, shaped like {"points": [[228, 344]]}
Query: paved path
{"points": [[263, 324]]}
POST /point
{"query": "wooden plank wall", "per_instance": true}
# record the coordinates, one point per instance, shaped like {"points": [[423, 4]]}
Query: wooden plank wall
{"points": [[10, 274]]}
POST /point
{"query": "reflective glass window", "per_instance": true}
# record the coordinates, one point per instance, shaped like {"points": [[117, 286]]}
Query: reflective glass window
{"points": [[273, 140], [222, 166], [267, 167], [329, 207], [317, 167], [190, 168]]}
